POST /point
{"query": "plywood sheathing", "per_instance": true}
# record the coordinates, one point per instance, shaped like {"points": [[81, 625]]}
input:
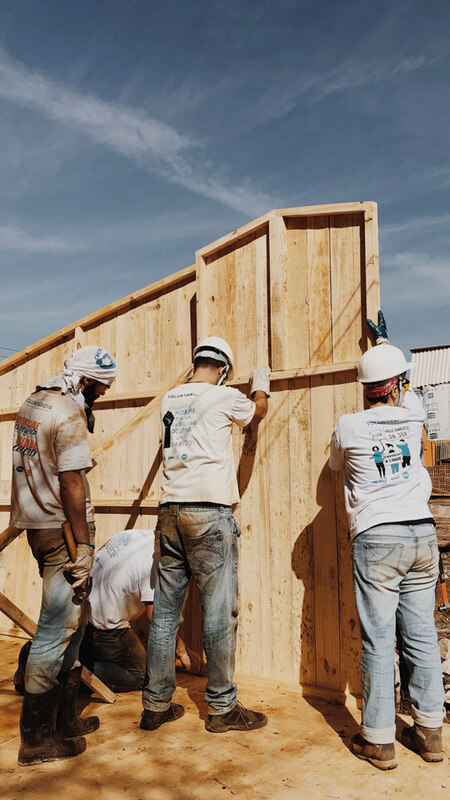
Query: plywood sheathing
{"points": [[292, 289]]}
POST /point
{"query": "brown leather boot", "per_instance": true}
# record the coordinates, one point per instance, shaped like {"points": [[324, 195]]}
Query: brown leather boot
{"points": [[238, 719], [427, 742], [381, 756], [39, 738], [150, 720], [68, 722]]}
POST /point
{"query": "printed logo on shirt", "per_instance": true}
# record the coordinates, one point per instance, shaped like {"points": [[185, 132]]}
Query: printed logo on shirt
{"points": [[26, 436], [182, 421], [37, 403], [391, 454]]}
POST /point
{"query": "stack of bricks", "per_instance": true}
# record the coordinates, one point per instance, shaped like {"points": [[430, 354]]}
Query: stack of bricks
{"points": [[440, 477]]}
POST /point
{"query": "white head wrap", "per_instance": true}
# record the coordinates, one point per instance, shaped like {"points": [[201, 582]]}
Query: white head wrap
{"points": [[91, 361]]}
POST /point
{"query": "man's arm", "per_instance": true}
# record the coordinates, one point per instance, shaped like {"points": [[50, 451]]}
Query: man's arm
{"points": [[261, 405], [73, 498]]}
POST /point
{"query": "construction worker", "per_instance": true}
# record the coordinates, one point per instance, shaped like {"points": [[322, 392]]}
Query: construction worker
{"points": [[395, 556], [49, 487], [199, 534], [123, 579]]}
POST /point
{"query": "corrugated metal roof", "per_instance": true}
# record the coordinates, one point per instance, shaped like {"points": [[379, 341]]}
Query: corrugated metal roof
{"points": [[432, 366]]}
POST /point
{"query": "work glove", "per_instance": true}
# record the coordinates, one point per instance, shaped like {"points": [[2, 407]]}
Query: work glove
{"points": [[260, 380], [379, 332], [81, 568]]}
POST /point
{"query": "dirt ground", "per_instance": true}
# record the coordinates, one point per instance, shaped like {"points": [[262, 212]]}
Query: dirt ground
{"points": [[302, 754]]}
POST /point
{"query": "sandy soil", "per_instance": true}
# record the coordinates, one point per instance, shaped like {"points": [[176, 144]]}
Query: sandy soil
{"points": [[302, 754]]}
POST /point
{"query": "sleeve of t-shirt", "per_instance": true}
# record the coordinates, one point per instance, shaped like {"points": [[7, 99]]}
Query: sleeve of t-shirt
{"points": [[412, 403], [336, 460], [146, 590], [243, 409], [71, 442]]}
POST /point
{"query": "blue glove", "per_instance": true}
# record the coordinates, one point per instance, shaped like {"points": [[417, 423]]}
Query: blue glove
{"points": [[379, 332]]}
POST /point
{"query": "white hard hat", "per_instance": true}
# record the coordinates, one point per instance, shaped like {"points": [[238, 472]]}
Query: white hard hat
{"points": [[216, 348], [381, 363]]}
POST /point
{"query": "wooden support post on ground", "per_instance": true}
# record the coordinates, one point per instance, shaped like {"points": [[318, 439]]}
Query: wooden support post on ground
{"points": [[29, 626]]}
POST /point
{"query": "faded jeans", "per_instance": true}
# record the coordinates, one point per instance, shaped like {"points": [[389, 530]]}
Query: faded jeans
{"points": [[395, 569], [200, 541], [62, 621]]}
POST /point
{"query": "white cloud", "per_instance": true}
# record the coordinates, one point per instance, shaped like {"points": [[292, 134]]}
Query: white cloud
{"points": [[127, 131], [415, 224], [419, 280], [15, 237]]}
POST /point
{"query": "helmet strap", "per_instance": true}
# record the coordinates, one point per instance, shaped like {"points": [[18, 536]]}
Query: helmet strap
{"points": [[223, 376]]}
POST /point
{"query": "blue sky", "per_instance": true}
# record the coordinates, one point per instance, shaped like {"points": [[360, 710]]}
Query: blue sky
{"points": [[134, 132]]}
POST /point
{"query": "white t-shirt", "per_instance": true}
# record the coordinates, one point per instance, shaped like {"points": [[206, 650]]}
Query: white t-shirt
{"points": [[50, 436], [123, 579], [197, 446], [379, 449]]}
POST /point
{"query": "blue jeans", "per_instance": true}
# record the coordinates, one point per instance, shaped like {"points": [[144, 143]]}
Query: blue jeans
{"points": [[62, 621], [202, 542], [395, 569]]}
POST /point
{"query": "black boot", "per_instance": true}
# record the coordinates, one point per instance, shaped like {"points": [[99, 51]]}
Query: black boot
{"points": [[19, 675], [39, 739], [68, 722]]}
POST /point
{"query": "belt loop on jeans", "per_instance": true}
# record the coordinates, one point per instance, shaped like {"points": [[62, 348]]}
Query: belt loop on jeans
{"points": [[170, 508]]}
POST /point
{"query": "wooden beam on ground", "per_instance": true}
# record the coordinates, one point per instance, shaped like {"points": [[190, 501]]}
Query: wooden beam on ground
{"points": [[25, 622]]}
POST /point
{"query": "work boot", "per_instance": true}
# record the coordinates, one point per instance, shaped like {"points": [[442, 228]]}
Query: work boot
{"points": [[39, 738], [238, 719], [19, 675], [68, 722], [381, 756], [427, 742], [150, 720]]}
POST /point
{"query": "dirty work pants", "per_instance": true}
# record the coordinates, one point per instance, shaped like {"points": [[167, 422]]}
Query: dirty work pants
{"points": [[61, 621], [197, 540], [395, 569], [116, 656]]}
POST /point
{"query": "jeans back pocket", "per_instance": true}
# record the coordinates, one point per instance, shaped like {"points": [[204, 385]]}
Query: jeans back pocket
{"points": [[382, 561], [204, 553]]}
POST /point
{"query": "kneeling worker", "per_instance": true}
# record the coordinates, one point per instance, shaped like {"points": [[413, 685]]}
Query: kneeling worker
{"points": [[123, 577]]}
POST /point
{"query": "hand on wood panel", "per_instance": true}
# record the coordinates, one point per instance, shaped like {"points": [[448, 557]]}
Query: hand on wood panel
{"points": [[260, 381]]}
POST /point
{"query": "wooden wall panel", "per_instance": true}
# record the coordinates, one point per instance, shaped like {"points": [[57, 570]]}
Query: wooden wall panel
{"points": [[232, 299], [302, 550], [291, 289]]}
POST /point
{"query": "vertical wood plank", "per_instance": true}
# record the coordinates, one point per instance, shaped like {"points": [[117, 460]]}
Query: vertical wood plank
{"points": [[302, 550], [279, 293], [326, 600], [319, 291], [346, 401]]}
